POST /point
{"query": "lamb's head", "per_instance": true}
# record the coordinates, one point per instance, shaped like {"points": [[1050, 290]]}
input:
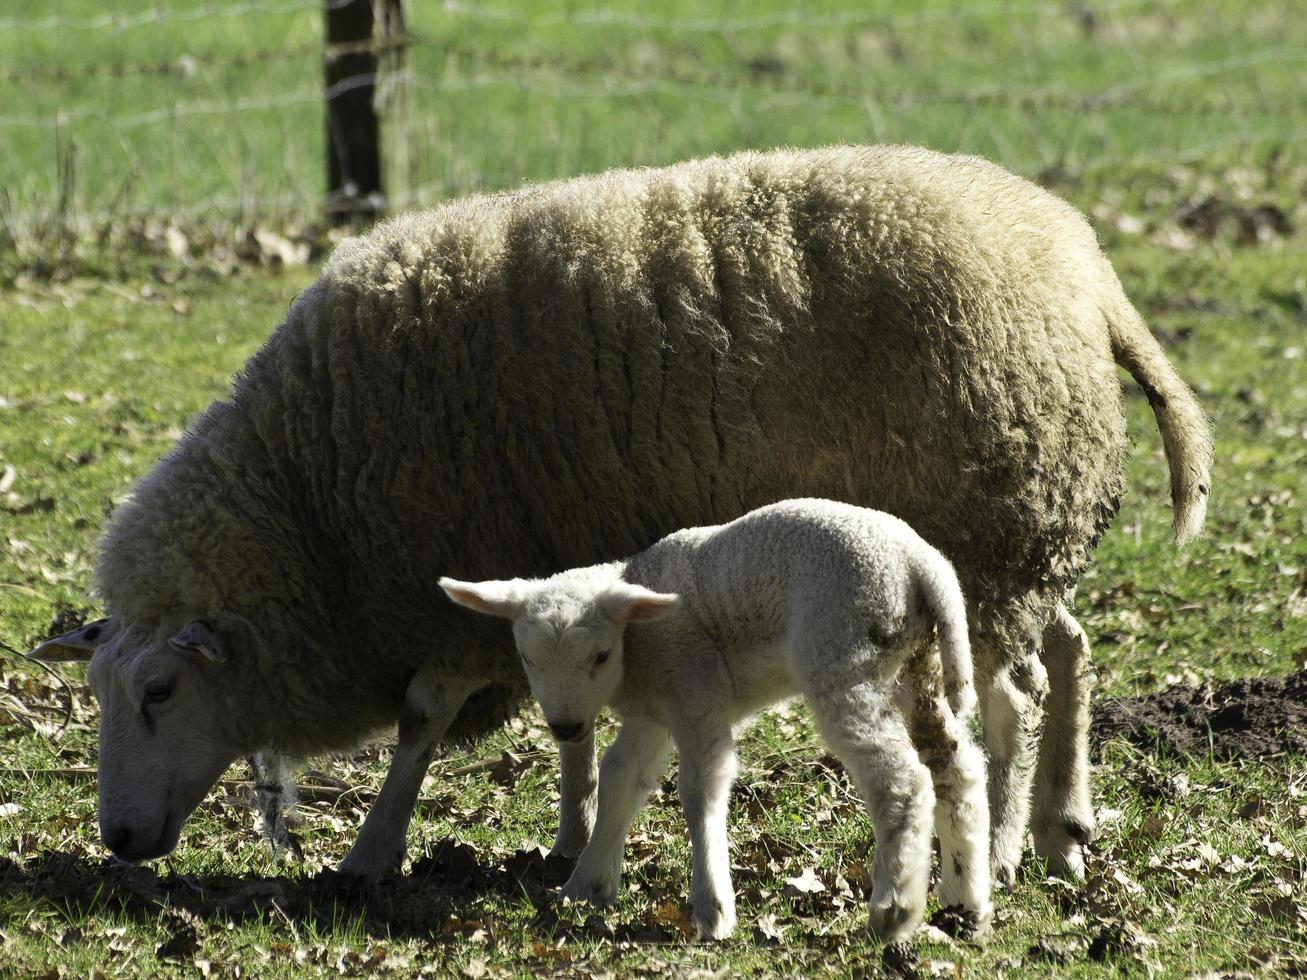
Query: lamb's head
{"points": [[166, 730], [569, 632]]}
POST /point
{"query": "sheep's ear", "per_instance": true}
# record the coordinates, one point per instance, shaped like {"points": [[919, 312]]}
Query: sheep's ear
{"points": [[496, 598], [79, 644], [200, 637], [636, 604]]}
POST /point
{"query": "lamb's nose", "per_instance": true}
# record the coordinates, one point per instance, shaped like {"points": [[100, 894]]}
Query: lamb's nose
{"points": [[117, 838], [566, 731]]}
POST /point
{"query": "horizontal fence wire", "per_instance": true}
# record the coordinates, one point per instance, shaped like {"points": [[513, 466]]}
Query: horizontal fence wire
{"points": [[607, 80], [221, 107]]}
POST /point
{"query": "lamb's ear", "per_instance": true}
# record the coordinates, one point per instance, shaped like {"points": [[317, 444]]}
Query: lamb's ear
{"points": [[636, 604], [79, 644], [496, 598], [200, 637]]}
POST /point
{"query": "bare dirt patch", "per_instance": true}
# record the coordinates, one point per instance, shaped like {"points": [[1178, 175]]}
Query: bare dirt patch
{"points": [[1248, 718]]}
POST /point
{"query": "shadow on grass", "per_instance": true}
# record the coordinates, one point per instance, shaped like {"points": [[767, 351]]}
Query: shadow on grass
{"points": [[428, 903]]}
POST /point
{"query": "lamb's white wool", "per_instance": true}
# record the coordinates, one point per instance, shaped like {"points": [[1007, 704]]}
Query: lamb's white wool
{"points": [[834, 602]]}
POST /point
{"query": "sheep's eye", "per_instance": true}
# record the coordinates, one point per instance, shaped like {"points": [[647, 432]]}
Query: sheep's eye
{"points": [[601, 658], [158, 692]]}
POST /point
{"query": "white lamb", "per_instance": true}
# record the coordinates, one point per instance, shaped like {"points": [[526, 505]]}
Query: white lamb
{"points": [[836, 602]]}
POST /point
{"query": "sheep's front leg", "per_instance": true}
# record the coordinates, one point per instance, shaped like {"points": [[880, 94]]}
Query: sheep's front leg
{"points": [[1063, 821], [275, 794], [707, 770], [430, 704], [631, 769], [578, 779]]}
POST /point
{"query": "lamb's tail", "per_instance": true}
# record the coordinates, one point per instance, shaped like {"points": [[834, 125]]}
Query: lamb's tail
{"points": [[943, 595], [1186, 437]]}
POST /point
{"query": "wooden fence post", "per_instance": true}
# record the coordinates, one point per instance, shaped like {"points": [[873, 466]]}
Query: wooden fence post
{"points": [[395, 104], [354, 190]]}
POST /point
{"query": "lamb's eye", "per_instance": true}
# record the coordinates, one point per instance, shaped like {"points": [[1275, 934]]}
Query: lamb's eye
{"points": [[158, 692], [601, 658]]}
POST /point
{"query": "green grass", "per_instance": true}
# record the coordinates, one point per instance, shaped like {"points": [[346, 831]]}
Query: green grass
{"points": [[99, 374], [499, 99], [98, 381]]}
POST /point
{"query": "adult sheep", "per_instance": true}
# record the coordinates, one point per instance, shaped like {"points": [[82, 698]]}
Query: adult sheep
{"points": [[526, 382]]}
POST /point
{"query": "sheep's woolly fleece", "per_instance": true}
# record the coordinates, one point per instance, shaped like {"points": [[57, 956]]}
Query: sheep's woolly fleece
{"points": [[520, 383]]}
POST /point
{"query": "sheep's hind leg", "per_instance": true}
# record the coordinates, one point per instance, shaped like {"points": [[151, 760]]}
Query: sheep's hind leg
{"points": [[957, 770], [1012, 694], [707, 771], [866, 730], [430, 705], [1063, 821], [630, 771], [577, 796]]}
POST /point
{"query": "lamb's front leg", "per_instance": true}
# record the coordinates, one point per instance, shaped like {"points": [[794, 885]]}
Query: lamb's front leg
{"points": [[631, 769], [578, 778], [430, 705], [707, 771]]}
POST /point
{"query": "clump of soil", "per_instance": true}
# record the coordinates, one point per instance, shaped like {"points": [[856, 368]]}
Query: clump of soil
{"points": [[1248, 718]]}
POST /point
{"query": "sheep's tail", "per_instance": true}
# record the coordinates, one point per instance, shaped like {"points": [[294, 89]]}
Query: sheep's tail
{"points": [[943, 596], [1186, 436]]}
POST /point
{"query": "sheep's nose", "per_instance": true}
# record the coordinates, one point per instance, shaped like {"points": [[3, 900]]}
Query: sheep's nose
{"points": [[566, 731], [117, 838]]}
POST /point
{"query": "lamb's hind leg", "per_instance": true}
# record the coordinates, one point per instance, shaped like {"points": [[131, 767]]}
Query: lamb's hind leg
{"points": [[430, 704], [1063, 821], [1012, 691], [957, 769], [866, 730]]}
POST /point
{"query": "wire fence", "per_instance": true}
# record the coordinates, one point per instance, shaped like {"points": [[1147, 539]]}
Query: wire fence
{"points": [[215, 110]]}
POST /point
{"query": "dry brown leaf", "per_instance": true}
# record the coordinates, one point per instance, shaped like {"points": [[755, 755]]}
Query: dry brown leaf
{"points": [[669, 913], [806, 883]]}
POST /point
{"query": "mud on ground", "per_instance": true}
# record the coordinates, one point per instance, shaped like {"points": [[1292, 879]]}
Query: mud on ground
{"points": [[1247, 718]]}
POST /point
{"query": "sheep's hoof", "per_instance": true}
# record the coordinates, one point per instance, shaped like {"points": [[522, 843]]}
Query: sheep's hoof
{"points": [[1064, 847], [1004, 872]]}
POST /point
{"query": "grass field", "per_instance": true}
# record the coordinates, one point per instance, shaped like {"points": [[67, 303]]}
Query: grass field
{"points": [[204, 113], [1201, 864]]}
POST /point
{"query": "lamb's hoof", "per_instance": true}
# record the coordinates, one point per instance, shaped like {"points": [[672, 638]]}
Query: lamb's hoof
{"points": [[569, 845], [596, 891], [893, 924], [715, 922], [365, 870], [962, 923], [901, 960]]}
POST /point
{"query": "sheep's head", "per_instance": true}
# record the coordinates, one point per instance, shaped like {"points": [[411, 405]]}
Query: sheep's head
{"points": [[165, 735], [569, 632]]}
